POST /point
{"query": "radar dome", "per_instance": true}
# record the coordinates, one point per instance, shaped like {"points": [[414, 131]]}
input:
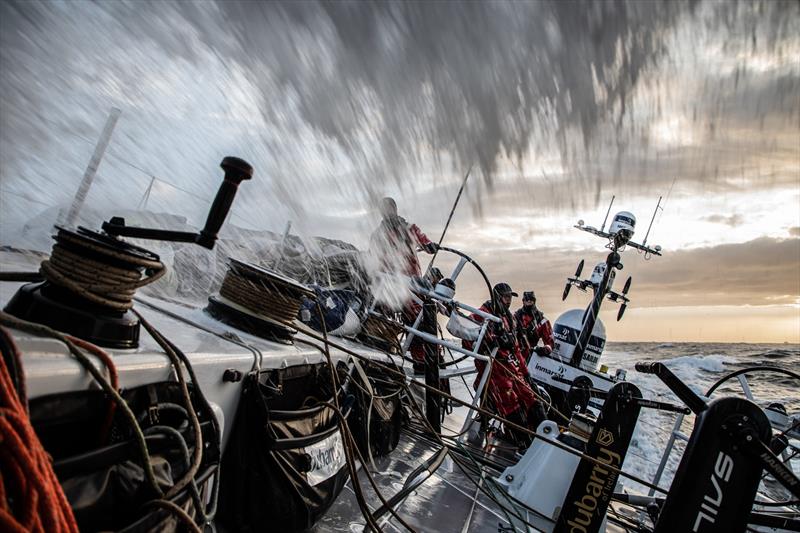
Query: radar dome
{"points": [[566, 331]]}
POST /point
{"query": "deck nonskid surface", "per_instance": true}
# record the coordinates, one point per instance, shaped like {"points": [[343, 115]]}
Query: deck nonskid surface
{"points": [[444, 502]]}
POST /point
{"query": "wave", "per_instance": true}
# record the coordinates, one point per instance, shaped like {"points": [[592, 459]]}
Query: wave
{"points": [[709, 363], [778, 354]]}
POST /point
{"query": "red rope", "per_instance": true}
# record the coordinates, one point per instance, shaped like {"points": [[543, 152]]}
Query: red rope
{"points": [[32, 499], [101, 354]]}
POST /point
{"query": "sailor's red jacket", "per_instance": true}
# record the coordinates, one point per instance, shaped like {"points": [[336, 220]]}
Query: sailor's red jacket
{"points": [[507, 387], [395, 241], [531, 328]]}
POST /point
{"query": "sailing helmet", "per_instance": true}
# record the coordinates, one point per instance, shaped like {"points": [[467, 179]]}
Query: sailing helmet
{"points": [[434, 275]]}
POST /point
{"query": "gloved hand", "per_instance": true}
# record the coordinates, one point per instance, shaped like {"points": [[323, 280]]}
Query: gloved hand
{"points": [[542, 351], [506, 341], [431, 247]]}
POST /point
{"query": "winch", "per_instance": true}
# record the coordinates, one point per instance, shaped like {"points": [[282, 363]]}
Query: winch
{"points": [[258, 301], [91, 277]]}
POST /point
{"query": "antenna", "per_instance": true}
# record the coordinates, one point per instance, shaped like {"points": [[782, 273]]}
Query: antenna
{"points": [[603, 227], [658, 206]]}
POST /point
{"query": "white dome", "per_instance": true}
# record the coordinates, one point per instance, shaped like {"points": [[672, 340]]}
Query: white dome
{"points": [[567, 329]]}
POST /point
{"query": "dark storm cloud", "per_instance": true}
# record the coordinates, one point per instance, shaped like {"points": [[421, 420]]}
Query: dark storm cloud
{"points": [[466, 77], [758, 272], [483, 80]]}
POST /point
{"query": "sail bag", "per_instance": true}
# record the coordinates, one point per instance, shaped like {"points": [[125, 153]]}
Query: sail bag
{"points": [[377, 417], [284, 464]]}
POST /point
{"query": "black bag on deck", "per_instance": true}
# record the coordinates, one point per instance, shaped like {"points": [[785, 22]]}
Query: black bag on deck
{"points": [[284, 464], [100, 467], [377, 422]]}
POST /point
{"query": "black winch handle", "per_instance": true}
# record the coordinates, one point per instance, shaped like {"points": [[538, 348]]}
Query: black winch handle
{"points": [[236, 171], [687, 395]]}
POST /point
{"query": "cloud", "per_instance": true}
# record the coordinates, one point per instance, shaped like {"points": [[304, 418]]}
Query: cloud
{"points": [[328, 99], [763, 271], [733, 220], [751, 272]]}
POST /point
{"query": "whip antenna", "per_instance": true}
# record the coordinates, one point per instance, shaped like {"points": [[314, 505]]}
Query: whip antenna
{"points": [[603, 227], [449, 218], [658, 206]]}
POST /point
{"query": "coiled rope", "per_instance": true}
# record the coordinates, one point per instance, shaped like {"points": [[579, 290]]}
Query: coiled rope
{"points": [[31, 499], [97, 272], [383, 329], [262, 293]]}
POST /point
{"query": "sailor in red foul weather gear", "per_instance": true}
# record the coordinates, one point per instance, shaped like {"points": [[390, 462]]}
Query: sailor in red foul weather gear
{"points": [[532, 327], [395, 243], [508, 388]]}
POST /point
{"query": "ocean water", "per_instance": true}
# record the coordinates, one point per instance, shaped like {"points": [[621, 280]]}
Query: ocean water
{"points": [[699, 365]]}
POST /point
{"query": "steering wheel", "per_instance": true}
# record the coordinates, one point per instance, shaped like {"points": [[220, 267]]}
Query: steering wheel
{"points": [[464, 260]]}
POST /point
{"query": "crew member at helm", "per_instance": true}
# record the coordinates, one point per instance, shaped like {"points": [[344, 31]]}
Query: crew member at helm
{"points": [[395, 244], [395, 241], [532, 327], [508, 388]]}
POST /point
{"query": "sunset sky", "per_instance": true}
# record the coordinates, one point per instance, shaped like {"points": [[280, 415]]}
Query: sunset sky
{"points": [[555, 106]]}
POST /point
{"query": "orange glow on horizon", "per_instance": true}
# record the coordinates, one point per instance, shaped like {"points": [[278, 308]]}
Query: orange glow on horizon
{"points": [[751, 324]]}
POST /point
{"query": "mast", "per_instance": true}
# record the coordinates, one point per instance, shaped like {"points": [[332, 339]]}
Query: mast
{"points": [[91, 170], [593, 310], [618, 235]]}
